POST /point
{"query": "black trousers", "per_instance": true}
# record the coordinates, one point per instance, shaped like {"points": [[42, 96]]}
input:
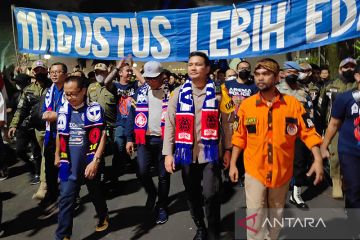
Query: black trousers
{"points": [[302, 161], [209, 174], [25, 136], [51, 171]]}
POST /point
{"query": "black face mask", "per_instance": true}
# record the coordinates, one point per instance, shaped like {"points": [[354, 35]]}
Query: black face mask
{"points": [[291, 79], [348, 75], [244, 74], [41, 77]]}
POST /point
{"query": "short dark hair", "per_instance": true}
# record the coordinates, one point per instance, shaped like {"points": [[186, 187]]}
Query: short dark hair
{"points": [[80, 81], [63, 65], [200, 54], [324, 67], [242, 61]]}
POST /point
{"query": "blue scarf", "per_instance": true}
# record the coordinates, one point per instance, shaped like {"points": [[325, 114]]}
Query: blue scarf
{"points": [[142, 113], [185, 123], [93, 124], [51, 105]]}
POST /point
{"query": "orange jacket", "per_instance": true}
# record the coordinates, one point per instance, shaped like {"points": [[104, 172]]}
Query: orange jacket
{"points": [[267, 135]]}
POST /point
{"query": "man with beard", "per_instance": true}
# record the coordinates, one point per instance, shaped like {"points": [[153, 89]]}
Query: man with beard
{"points": [[344, 82], [302, 158], [20, 124], [269, 123]]}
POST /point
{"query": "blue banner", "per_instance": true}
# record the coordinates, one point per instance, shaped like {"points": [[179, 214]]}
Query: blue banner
{"points": [[254, 28]]}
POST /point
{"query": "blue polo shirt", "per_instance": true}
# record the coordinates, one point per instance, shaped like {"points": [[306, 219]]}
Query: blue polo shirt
{"points": [[346, 109]]}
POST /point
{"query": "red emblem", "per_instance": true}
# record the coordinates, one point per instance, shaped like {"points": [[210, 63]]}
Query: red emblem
{"points": [[94, 135], [140, 120]]}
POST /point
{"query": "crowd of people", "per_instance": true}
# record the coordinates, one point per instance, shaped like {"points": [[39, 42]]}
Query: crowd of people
{"points": [[267, 128]]}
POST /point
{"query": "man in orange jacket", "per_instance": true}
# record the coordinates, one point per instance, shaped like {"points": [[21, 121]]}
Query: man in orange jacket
{"points": [[269, 123]]}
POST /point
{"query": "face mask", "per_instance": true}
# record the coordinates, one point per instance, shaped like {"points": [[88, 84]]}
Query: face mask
{"points": [[99, 78], [291, 79], [18, 87], [41, 77], [348, 75], [302, 76], [244, 74]]}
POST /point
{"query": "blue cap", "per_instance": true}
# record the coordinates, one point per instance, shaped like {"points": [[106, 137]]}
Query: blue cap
{"points": [[292, 65]]}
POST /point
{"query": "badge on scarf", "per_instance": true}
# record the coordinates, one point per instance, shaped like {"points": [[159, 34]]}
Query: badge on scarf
{"points": [[140, 120], [61, 124]]}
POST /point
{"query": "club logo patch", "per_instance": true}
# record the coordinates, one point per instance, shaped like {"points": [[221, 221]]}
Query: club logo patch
{"points": [[93, 113], [140, 120], [292, 129]]}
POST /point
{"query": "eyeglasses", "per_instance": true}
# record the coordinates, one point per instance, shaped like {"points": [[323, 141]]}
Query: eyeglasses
{"points": [[56, 72], [72, 95]]}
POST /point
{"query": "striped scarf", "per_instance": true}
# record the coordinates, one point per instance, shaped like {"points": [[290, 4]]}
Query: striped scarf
{"points": [[184, 118], [50, 105], [142, 113], [93, 124]]}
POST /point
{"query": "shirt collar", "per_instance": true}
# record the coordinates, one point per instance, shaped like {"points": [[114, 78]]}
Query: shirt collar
{"points": [[278, 98]]}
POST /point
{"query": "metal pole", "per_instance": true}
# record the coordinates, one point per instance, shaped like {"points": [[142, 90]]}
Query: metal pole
{"points": [[13, 28]]}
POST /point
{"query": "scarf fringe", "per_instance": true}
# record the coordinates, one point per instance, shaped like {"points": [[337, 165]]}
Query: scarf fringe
{"points": [[183, 154], [140, 136], [211, 151]]}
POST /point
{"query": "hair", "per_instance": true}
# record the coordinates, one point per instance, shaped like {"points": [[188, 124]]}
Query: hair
{"points": [[324, 67], [122, 67], [63, 65], [315, 67], [167, 73], [80, 81], [221, 71], [243, 61], [200, 54]]}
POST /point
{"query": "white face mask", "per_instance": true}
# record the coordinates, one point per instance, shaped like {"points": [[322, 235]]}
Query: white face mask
{"points": [[18, 87], [100, 78], [302, 76]]}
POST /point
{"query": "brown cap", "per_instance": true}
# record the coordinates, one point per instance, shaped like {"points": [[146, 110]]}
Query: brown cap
{"points": [[268, 64]]}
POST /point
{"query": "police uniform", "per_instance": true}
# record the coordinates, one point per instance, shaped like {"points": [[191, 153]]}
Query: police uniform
{"points": [[24, 124]]}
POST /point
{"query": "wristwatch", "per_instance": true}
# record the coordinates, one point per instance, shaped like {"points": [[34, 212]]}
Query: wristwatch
{"points": [[97, 159]]}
